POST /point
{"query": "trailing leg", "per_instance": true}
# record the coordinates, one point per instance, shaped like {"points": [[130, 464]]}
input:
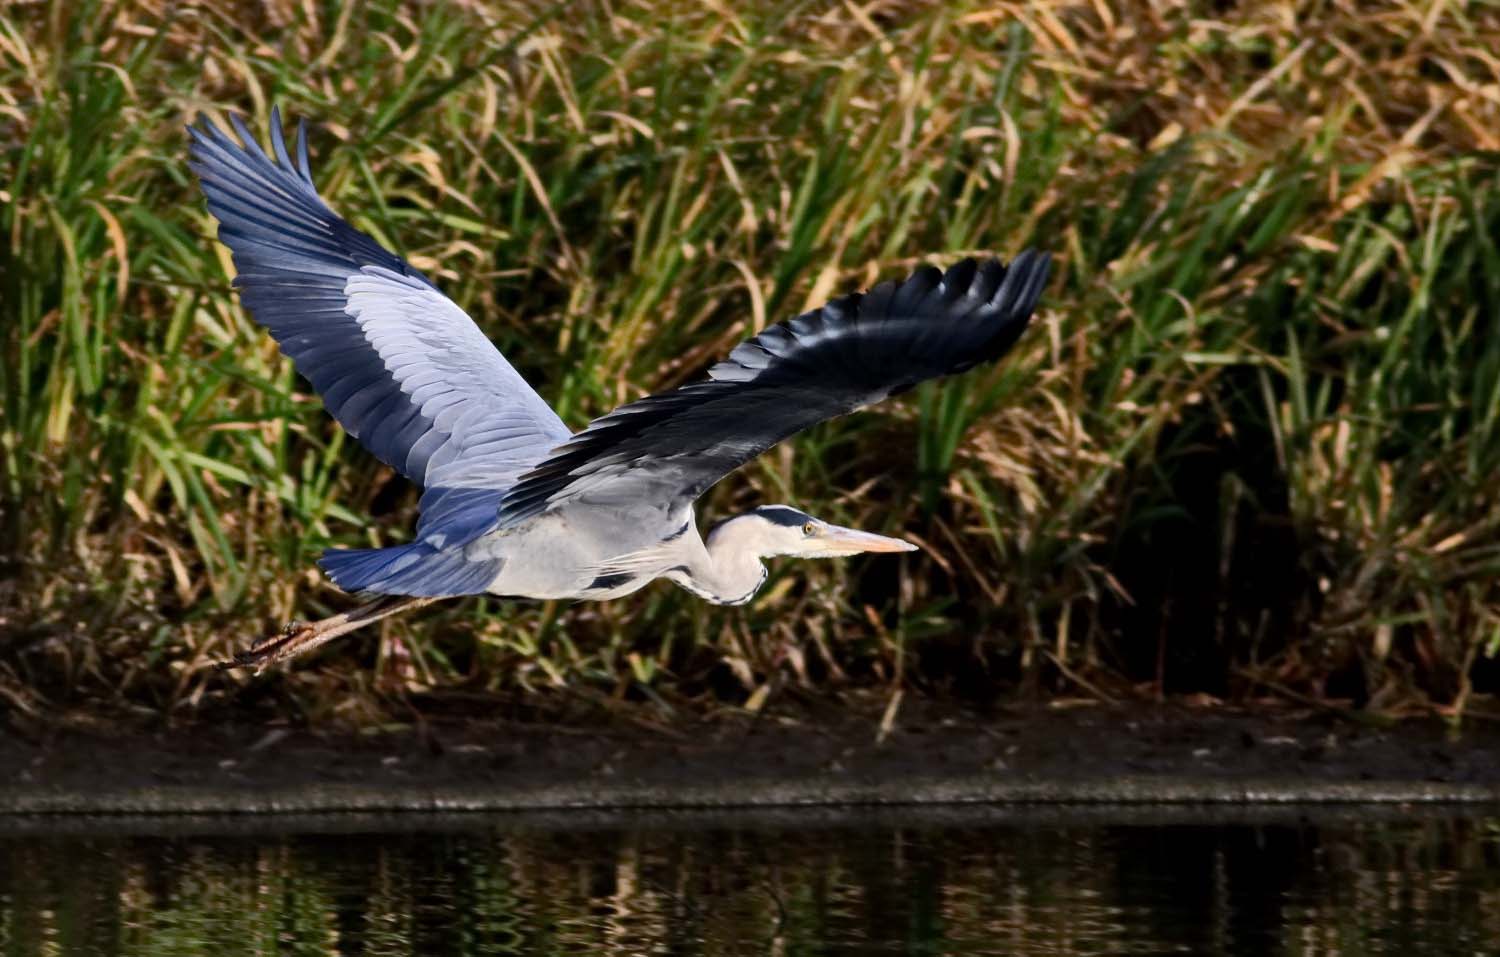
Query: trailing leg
{"points": [[301, 637]]}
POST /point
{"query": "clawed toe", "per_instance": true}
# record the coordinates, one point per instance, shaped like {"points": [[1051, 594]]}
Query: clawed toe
{"points": [[269, 650]]}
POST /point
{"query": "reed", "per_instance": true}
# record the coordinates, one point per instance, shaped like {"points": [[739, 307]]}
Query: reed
{"points": [[1252, 442]]}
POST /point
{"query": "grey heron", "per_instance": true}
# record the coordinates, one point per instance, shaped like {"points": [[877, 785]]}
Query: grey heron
{"points": [[516, 504]]}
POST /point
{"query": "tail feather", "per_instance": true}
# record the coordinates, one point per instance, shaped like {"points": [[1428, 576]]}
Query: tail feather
{"points": [[415, 569]]}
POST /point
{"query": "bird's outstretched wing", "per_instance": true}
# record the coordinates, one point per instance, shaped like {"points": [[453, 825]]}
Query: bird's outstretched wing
{"points": [[400, 367], [853, 352]]}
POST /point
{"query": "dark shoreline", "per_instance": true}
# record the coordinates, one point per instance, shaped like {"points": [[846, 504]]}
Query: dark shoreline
{"points": [[1094, 755], [380, 798]]}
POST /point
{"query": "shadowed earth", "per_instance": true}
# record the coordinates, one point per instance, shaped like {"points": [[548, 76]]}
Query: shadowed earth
{"points": [[1091, 754]]}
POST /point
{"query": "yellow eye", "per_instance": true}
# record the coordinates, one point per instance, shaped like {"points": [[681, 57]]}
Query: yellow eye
{"points": [[808, 529]]}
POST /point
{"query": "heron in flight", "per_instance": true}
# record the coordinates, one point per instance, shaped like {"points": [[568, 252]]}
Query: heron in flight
{"points": [[514, 503]]}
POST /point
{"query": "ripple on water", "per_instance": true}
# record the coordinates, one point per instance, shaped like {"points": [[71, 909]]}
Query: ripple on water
{"points": [[851, 886]]}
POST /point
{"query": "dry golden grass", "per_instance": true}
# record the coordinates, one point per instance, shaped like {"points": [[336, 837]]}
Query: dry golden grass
{"points": [[1253, 440]]}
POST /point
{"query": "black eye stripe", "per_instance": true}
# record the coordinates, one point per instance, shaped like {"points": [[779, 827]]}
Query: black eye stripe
{"points": [[783, 515]]}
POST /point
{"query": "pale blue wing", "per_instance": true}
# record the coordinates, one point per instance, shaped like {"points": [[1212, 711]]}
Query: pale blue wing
{"points": [[400, 367]]}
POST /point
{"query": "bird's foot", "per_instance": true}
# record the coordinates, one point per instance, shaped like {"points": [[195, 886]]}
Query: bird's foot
{"points": [[291, 641]]}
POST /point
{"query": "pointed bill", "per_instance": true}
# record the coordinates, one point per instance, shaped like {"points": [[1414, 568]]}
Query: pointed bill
{"points": [[836, 538]]}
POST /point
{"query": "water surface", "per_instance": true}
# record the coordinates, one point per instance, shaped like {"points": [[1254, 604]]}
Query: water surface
{"points": [[1355, 881]]}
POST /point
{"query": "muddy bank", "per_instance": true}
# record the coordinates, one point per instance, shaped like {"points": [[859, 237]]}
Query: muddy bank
{"points": [[1096, 755]]}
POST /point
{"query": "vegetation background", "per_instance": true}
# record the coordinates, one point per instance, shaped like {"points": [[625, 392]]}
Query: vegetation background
{"points": [[1251, 444]]}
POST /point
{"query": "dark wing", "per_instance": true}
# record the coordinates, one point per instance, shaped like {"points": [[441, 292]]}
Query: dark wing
{"points": [[853, 352], [400, 367]]}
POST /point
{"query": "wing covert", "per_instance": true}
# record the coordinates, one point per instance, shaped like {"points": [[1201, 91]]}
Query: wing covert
{"points": [[850, 353]]}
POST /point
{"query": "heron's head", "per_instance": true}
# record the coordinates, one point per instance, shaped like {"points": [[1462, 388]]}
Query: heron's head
{"points": [[782, 530]]}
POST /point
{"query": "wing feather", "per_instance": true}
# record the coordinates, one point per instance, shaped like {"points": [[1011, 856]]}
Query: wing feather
{"points": [[852, 352], [398, 364]]}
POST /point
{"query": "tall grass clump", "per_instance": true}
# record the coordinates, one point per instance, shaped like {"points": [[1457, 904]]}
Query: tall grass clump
{"points": [[1249, 444]]}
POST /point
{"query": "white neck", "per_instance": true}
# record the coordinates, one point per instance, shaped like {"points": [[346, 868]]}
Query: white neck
{"points": [[726, 570]]}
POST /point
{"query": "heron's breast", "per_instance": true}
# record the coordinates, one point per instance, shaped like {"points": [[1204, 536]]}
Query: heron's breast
{"points": [[557, 556]]}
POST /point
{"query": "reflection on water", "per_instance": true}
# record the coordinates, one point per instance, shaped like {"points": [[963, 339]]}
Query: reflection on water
{"points": [[973, 884]]}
